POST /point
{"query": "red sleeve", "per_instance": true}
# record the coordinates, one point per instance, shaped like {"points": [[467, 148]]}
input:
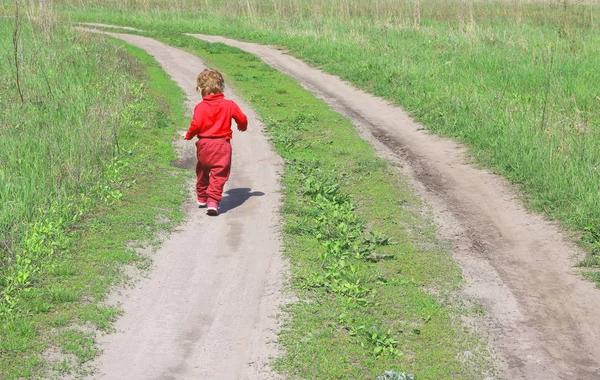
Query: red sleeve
{"points": [[195, 125], [239, 117]]}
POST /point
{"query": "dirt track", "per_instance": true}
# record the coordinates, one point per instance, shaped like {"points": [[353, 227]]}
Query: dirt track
{"points": [[207, 309], [542, 318]]}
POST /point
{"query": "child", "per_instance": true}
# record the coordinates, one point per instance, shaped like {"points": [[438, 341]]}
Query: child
{"points": [[212, 124]]}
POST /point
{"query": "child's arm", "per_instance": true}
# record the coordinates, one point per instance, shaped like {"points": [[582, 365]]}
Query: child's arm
{"points": [[195, 125], [239, 117]]}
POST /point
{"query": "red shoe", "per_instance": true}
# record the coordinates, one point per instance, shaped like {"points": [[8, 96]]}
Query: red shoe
{"points": [[213, 208], [202, 202]]}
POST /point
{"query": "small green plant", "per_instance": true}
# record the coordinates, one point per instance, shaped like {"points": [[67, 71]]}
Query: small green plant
{"points": [[591, 237], [591, 240]]}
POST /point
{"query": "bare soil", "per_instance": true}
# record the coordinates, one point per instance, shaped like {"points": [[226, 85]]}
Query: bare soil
{"points": [[542, 316], [208, 307]]}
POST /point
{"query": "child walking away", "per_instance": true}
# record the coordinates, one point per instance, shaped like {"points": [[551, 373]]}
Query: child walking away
{"points": [[212, 124]]}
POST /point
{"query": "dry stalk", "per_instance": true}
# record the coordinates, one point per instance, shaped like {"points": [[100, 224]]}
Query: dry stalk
{"points": [[16, 44], [543, 124], [417, 14]]}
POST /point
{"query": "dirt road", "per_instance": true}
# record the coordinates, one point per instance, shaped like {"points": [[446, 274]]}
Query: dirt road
{"points": [[542, 317], [207, 309]]}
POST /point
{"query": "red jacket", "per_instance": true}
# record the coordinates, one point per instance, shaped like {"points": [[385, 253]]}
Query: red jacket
{"points": [[212, 118]]}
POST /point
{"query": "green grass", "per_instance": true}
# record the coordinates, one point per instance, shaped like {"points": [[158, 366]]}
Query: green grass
{"points": [[404, 289], [93, 141], [512, 80]]}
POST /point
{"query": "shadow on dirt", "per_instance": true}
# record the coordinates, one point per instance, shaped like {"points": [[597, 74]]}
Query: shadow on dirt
{"points": [[187, 162], [236, 197]]}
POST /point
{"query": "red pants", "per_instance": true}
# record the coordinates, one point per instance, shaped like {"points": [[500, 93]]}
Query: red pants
{"points": [[213, 167]]}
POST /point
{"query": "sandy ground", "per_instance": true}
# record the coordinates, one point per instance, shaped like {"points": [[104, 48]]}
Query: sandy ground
{"points": [[208, 308], [543, 318], [100, 25]]}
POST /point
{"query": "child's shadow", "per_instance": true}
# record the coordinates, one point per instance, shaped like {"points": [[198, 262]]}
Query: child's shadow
{"points": [[236, 197]]}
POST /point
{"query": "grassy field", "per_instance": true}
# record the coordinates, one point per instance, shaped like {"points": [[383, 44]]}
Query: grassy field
{"points": [[513, 80], [77, 187]]}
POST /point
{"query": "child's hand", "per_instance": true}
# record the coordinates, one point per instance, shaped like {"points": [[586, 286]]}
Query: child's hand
{"points": [[183, 136]]}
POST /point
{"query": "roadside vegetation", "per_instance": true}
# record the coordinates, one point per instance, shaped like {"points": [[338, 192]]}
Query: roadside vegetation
{"points": [[85, 143], [513, 80]]}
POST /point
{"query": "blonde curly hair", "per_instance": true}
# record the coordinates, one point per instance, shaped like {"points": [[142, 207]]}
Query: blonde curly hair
{"points": [[210, 82]]}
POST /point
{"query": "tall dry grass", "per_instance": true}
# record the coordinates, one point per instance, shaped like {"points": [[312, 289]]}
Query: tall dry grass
{"points": [[583, 13]]}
